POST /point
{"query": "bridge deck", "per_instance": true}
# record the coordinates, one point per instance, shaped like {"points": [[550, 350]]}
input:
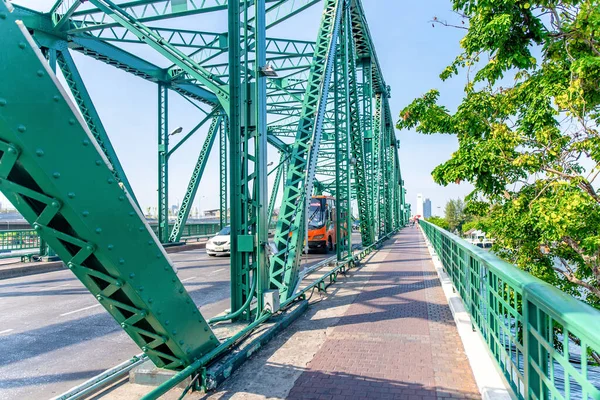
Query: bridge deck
{"points": [[385, 332], [396, 340]]}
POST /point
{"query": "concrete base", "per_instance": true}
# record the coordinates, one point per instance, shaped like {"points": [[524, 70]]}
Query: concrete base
{"points": [[219, 371], [149, 375], [50, 258]]}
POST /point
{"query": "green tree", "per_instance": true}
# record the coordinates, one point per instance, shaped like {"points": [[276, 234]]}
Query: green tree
{"points": [[439, 221], [454, 213], [528, 133]]}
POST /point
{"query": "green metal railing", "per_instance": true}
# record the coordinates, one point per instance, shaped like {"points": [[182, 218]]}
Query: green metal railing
{"points": [[13, 240], [193, 230], [199, 230], [545, 341]]}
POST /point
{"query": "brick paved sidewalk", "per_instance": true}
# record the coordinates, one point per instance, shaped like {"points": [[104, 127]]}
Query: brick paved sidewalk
{"points": [[397, 340]]}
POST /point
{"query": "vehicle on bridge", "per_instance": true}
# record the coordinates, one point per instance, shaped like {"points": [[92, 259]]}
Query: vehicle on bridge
{"points": [[321, 223], [220, 244]]}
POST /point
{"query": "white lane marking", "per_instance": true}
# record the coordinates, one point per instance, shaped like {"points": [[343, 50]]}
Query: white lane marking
{"points": [[6, 331], [188, 279], [81, 309], [219, 270], [54, 287]]}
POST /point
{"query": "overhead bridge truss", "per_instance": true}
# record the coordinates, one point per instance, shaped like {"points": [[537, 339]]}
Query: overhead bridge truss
{"points": [[322, 105]]}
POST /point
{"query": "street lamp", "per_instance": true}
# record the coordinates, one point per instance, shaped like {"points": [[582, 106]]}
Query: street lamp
{"points": [[267, 70], [176, 131]]}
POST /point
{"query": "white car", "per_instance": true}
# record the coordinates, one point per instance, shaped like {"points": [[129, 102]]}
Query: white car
{"points": [[219, 244]]}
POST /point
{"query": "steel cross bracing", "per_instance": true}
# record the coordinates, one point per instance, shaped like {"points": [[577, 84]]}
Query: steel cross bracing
{"points": [[64, 186], [190, 194], [289, 234], [324, 109], [223, 129], [342, 149]]}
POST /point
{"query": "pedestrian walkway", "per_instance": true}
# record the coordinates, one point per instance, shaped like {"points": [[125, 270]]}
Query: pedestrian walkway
{"points": [[383, 332], [397, 340]]}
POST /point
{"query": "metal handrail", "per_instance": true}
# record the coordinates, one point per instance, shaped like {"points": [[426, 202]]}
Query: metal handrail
{"points": [[534, 331], [21, 239]]}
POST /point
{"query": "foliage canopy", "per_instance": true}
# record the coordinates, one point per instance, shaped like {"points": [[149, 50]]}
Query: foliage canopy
{"points": [[528, 133]]}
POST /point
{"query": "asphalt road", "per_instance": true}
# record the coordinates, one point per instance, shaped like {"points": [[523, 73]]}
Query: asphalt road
{"points": [[55, 335]]}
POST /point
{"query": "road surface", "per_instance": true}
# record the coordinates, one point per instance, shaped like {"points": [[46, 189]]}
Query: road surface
{"points": [[54, 334]]}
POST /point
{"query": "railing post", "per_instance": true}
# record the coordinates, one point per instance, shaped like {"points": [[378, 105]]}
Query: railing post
{"points": [[535, 353]]}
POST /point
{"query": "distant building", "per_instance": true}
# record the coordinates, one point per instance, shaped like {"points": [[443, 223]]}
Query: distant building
{"points": [[427, 208], [216, 213], [212, 213], [419, 210]]}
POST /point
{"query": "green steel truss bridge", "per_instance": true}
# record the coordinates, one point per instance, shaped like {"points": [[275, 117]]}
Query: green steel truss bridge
{"points": [[323, 105]]}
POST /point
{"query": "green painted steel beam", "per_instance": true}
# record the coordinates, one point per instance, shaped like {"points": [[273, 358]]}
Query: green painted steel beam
{"points": [[280, 168], [290, 229], [163, 163], [165, 49], [62, 11], [63, 185], [280, 11], [146, 11], [376, 164], [91, 117], [357, 145], [194, 183], [342, 151], [223, 134], [210, 116]]}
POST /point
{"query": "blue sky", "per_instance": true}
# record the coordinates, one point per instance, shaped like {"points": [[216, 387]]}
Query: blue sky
{"points": [[411, 52]]}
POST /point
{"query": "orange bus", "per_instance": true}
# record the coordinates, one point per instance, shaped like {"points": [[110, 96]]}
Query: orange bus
{"points": [[321, 223]]}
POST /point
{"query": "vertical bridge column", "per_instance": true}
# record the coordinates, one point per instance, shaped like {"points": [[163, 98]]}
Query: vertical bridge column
{"points": [[163, 166], [248, 156]]}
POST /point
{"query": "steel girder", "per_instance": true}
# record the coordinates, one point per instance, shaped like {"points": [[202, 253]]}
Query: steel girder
{"points": [[89, 113], [248, 158], [290, 225], [223, 134], [342, 150], [170, 52], [163, 163], [334, 137], [190, 193], [92, 223], [357, 141], [280, 168]]}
